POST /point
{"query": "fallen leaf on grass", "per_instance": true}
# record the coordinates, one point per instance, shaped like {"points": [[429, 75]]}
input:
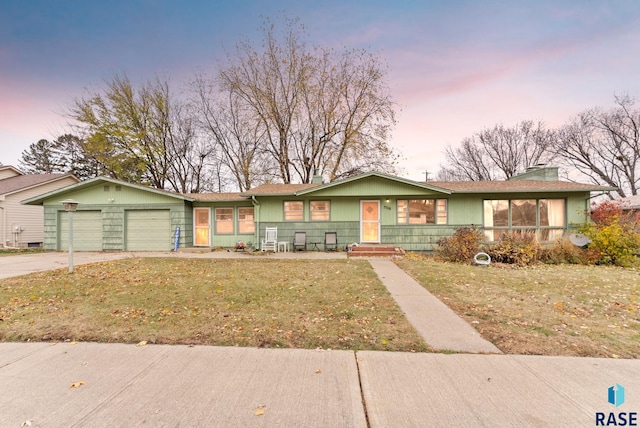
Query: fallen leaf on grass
{"points": [[77, 384], [144, 342], [260, 410]]}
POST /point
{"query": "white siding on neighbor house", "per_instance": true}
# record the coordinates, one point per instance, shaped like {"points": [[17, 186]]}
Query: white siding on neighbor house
{"points": [[7, 173], [30, 218]]}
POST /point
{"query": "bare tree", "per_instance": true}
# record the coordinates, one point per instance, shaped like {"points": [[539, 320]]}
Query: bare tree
{"points": [[239, 135], [500, 152], [357, 113], [467, 162], [308, 108], [604, 145], [194, 157]]}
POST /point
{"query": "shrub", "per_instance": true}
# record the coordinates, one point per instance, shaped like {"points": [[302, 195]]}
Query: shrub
{"points": [[564, 251], [462, 246], [615, 235], [519, 248]]}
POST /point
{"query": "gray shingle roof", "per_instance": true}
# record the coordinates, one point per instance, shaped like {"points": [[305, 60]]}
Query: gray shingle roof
{"points": [[22, 182], [517, 186], [222, 197], [279, 189]]}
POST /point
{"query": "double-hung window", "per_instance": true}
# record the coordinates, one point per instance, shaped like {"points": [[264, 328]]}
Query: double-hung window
{"points": [[224, 221], [320, 210], [293, 211], [246, 221]]}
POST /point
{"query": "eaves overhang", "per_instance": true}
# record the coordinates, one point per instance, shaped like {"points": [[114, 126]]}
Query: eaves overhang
{"points": [[39, 200]]}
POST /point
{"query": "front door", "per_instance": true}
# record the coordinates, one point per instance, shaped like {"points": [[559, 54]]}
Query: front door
{"points": [[370, 221], [202, 222]]}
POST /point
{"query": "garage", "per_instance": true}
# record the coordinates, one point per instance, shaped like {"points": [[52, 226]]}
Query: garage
{"points": [[87, 231], [148, 230]]}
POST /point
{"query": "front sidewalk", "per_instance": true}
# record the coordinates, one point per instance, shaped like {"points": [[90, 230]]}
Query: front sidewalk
{"points": [[106, 385]]}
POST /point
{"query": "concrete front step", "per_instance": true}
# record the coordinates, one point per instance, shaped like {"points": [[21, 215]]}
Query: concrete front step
{"points": [[375, 251]]}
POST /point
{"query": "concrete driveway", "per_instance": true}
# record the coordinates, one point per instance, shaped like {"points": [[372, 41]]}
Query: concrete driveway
{"points": [[23, 264]]}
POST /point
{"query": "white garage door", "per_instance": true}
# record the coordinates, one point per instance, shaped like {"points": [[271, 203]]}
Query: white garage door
{"points": [[87, 231], [148, 230]]}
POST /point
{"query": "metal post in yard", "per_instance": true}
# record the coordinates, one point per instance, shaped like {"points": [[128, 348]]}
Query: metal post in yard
{"points": [[70, 206]]}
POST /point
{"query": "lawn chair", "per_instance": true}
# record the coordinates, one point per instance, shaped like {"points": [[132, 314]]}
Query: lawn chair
{"points": [[300, 240], [270, 240], [330, 240]]}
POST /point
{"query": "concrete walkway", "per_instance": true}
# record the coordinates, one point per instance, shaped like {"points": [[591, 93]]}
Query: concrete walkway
{"points": [[438, 325]]}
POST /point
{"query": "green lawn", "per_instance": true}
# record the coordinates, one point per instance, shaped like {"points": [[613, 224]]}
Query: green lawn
{"points": [[337, 304], [546, 310]]}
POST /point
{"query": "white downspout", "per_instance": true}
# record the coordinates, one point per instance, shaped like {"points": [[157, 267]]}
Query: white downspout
{"points": [[4, 228], [256, 205]]}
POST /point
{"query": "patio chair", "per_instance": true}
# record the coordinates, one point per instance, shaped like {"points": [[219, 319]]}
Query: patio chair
{"points": [[330, 240], [270, 240], [300, 240]]}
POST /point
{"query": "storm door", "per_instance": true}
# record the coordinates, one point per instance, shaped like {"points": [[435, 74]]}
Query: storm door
{"points": [[202, 226], [370, 221]]}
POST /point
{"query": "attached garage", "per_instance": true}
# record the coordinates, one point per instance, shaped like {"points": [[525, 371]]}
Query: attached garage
{"points": [[114, 215], [148, 230], [87, 231]]}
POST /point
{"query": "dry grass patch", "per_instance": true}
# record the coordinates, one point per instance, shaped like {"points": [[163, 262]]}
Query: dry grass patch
{"points": [[254, 302], [543, 310]]}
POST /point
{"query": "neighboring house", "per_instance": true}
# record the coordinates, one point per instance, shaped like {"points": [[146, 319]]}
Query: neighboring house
{"points": [[20, 225], [630, 203], [371, 208]]}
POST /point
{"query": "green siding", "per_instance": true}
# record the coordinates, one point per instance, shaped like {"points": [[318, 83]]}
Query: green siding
{"points": [[373, 187], [112, 228], [416, 238], [577, 207], [111, 225], [223, 240], [348, 232], [96, 195], [463, 210]]}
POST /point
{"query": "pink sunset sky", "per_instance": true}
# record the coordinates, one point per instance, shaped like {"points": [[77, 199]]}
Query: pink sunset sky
{"points": [[455, 67]]}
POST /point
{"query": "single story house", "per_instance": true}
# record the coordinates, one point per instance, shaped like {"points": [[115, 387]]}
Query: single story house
{"points": [[630, 203], [371, 208], [20, 225]]}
